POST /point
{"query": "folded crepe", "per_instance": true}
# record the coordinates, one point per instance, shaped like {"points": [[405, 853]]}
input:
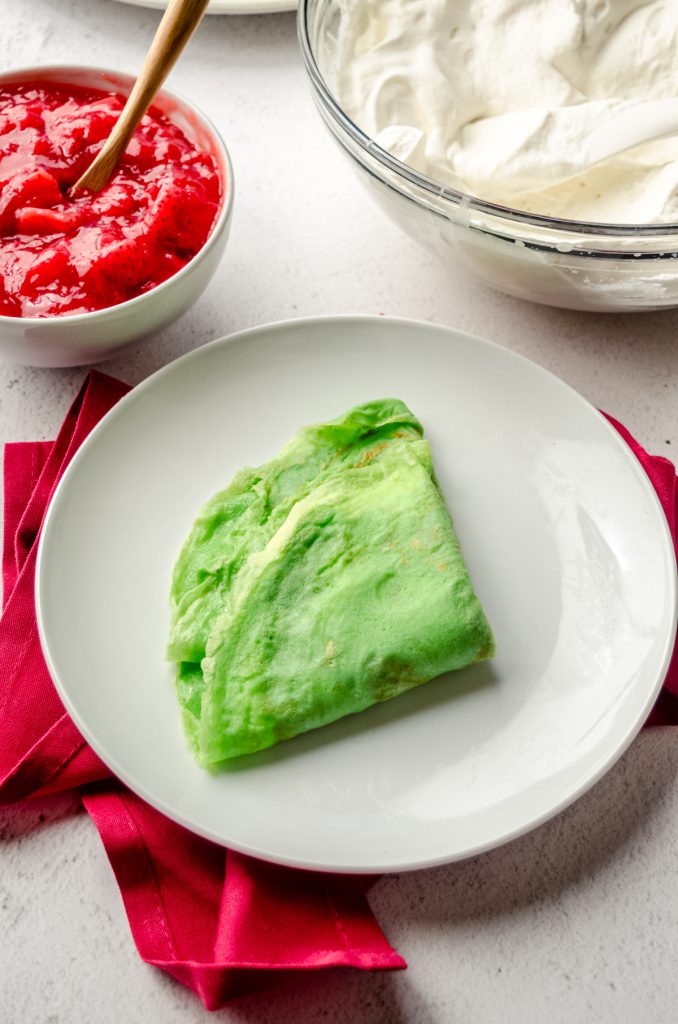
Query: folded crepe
{"points": [[315, 585]]}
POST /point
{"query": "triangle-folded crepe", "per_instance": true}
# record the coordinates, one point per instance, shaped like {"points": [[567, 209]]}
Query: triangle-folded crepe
{"points": [[319, 583]]}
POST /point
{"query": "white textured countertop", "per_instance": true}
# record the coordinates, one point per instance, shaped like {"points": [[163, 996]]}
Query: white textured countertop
{"points": [[577, 921]]}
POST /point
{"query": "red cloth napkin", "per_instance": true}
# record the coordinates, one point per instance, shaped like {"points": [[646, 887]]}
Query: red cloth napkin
{"points": [[662, 476], [218, 921]]}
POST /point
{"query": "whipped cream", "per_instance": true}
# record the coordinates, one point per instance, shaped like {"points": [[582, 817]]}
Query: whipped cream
{"points": [[501, 98]]}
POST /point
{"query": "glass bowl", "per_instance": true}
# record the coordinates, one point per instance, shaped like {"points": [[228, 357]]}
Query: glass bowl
{"points": [[573, 264]]}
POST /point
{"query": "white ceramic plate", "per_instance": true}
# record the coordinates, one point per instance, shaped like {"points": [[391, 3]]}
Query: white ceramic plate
{"points": [[228, 6], [566, 543]]}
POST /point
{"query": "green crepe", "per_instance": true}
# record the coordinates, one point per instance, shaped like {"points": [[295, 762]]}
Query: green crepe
{"points": [[319, 583]]}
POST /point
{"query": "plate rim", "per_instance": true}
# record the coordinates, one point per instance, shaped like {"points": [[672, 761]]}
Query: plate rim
{"points": [[221, 7], [571, 794]]}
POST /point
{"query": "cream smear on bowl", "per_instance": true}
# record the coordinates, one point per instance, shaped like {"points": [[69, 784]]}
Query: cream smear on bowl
{"points": [[498, 97]]}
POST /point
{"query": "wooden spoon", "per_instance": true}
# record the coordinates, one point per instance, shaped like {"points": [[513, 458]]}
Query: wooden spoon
{"points": [[177, 26]]}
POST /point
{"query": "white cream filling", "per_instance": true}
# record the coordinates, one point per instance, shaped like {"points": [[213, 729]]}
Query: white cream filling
{"points": [[501, 98]]}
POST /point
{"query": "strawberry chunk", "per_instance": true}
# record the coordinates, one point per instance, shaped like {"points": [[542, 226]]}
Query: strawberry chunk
{"points": [[181, 216], [75, 126], [117, 268], [34, 220], [47, 268], [116, 200], [35, 187]]}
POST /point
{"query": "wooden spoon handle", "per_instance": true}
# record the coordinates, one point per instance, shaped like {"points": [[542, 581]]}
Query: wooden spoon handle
{"points": [[178, 24]]}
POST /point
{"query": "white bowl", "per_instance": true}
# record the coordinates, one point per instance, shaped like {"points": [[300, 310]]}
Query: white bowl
{"points": [[91, 337]]}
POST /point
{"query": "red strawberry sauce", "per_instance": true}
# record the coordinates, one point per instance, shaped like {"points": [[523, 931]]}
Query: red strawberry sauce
{"points": [[64, 256]]}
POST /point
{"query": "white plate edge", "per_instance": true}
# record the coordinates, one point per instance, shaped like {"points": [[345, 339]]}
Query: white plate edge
{"points": [[219, 7]]}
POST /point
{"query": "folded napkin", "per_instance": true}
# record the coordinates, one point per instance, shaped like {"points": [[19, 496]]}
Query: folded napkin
{"points": [[663, 478], [218, 921]]}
